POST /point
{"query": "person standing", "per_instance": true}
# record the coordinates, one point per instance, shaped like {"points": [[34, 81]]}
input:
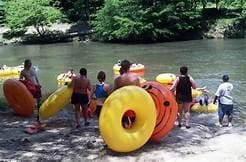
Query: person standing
{"points": [[126, 78], [223, 95], [183, 85], [80, 97], [101, 91], [28, 76]]}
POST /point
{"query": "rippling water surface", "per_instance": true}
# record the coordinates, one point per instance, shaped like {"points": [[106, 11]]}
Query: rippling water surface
{"points": [[207, 60]]}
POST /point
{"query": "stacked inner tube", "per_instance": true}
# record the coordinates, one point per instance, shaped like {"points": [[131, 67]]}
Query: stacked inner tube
{"points": [[166, 108], [155, 112], [125, 99]]}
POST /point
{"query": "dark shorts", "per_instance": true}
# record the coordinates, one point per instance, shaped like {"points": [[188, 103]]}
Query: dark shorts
{"points": [[183, 98], [78, 98], [225, 110]]}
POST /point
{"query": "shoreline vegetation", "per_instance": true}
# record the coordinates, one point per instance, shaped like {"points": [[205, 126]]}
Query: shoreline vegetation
{"points": [[120, 21], [65, 32]]}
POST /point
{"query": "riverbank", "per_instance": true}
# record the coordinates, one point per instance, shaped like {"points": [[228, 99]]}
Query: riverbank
{"points": [[205, 141], [220, 29], [55, 33]]}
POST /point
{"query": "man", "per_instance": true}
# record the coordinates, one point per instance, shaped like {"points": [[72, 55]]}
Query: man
{"points": [[80, 99], [223, 94], [29, 77], [126, 78]]}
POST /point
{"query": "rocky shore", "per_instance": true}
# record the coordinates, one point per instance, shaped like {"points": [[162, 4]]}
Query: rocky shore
{"points": [[79, 32], [56, 33], [60, 141]]}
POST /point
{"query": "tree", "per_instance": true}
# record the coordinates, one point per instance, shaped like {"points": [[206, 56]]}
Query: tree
{"points": [[38, 13], [144, 21]]}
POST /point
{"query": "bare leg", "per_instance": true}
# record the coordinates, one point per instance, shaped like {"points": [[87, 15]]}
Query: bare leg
{"points": [[77, 114], [84, 110], [38, 106], [180, 114], [187, 114]]}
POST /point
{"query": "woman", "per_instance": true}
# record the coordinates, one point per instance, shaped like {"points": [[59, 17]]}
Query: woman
{"points": [[183, 85]]}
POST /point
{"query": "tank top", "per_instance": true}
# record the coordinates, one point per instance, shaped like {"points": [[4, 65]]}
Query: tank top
{"points": [[100, 92], [183, 89]]}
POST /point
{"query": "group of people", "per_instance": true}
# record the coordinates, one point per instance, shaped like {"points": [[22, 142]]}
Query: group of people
{"points": [[183, 86], [83, 92]]}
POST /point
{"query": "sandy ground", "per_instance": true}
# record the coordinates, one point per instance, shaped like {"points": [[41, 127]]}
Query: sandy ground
{"points": [[205, 141]]}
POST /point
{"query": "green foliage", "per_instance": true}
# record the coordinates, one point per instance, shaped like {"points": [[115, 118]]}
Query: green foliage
{"points": [[38, 13], [133, 21], [2, 13], [78, 10]]}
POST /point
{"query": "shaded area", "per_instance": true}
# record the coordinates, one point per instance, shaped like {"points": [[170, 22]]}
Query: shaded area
{"points": [[60, 141]]}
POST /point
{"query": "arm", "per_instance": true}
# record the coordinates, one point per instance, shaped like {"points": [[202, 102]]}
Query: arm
{"points": [[71, 84], [173, 87], [36, 78], [138, 82], [93, 92], [107, 89], [115, 84], [193, 84], [21, 75], [215, 99], [217, 95]]}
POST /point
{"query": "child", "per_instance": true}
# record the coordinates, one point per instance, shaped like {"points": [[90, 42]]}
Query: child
{"points": [[223, 94], [101, 92], [204, 100], [80, 97]]}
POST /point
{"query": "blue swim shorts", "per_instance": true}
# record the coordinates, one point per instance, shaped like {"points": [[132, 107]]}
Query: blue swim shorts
{"points": [[225, 110]]}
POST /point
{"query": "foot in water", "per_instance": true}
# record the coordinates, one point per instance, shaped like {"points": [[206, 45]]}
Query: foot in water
{"points": [[87, 124], [187, 127]]}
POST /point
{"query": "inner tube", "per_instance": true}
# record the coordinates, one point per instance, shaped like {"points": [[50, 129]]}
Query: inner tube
{"points": [[18, 97], [210, 108], [117, 137], [55, 102], [166, 108], [9, 71], [166, 78], [135, 68]]}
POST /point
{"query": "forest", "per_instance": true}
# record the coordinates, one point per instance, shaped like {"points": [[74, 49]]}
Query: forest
{"points": [[129, 21]]}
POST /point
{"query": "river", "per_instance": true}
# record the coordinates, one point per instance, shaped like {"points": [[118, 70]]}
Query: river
{"points": [[207, 60]]}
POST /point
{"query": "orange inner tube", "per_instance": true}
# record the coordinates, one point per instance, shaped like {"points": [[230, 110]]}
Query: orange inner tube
{"points": [[18, 97], [166, 108]]}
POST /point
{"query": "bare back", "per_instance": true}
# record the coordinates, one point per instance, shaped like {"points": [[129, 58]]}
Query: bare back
{"points": [[126, 79], [81, 84]]}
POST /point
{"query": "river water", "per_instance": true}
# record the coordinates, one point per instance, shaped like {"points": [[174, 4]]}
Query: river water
{"points": [[207, 61]]}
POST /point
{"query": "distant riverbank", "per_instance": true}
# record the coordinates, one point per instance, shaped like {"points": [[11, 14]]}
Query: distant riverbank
{"points": [[56, 33], [222, 29]]}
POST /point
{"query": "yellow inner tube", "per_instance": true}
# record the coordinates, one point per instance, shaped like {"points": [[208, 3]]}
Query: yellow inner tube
{"points": [[165, 78], [117, 137], [55, 102], [210, 108]]}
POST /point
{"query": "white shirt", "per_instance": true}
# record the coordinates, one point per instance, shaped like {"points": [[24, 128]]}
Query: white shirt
{"points": [[31, 74], [224, 93]]}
